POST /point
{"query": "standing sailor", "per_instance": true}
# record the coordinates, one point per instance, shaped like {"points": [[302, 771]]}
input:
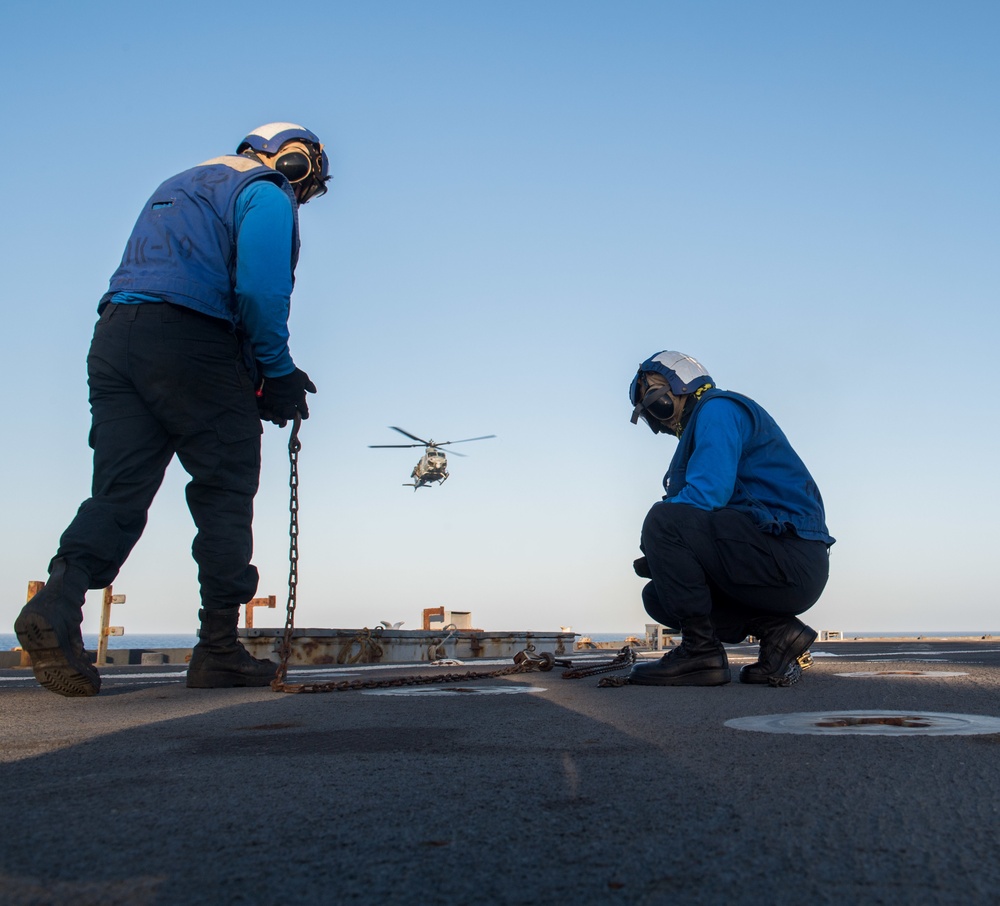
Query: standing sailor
{"points": [[189, 355]]}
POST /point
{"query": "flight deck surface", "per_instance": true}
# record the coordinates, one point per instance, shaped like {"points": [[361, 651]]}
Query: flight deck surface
{"points": [[850, 787]]}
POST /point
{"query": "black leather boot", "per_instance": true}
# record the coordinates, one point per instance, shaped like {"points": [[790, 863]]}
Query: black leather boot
{"points": [[784, 642], [219, 661], [48, 628], [699, 660]]}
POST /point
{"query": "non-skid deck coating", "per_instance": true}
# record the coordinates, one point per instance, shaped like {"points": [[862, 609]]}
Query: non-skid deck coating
{"points": [[152, 793]]}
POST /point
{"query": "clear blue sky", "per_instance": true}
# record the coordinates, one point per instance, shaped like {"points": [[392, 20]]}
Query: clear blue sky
{"points": [[530, 198]]}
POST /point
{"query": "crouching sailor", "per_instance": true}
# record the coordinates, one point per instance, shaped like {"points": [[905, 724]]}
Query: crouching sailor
{"points": [[189, 355], [738, 546]]}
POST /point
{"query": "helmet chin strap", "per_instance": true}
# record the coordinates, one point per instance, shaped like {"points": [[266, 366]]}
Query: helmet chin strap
{"points": [[673, 424]]}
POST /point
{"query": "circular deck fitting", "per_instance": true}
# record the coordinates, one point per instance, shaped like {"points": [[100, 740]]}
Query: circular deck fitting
{"points": [[904, 673], [870, 723], [443, 690]]}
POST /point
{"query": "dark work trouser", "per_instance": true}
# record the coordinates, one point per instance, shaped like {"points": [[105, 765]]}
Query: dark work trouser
{"points": [[165, 380], [719, 564]]}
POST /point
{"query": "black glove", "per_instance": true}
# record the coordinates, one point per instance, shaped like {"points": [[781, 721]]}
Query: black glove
{"points": [[279, 398], [641, 568]]}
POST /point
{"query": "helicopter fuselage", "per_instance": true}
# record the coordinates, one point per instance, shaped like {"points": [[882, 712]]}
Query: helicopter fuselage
{"points": [[432, 466]]}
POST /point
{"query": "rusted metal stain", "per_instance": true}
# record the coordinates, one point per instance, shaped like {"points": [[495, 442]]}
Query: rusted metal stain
{"points": [[909, 723], [362, 646]]}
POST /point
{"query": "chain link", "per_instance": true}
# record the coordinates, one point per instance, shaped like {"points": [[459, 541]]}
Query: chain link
{"points": [[369, 648], [285, 652], [625, 658], [426, 680]]}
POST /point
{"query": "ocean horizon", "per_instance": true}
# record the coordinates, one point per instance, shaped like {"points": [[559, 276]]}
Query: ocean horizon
{"points": [[8, 641]]}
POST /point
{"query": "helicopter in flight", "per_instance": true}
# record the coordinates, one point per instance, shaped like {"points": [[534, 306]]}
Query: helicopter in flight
{"points": [[433, 465]]}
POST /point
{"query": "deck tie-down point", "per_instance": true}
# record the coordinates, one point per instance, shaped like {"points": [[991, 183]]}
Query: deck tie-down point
{"points": [[870, 723]]}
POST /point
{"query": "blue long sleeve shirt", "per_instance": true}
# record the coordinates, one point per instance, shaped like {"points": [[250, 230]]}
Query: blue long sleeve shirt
{"points": [[263, 221], [720, 433]]}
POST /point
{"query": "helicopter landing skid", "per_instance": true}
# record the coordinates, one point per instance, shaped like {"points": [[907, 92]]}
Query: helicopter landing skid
{"points": [[423, 484]]}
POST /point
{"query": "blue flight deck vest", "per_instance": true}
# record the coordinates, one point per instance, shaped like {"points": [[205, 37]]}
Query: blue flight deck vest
{"points": [[773, 486], [183, 246]]}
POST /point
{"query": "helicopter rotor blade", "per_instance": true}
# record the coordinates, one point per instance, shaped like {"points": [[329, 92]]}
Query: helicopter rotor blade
{"points": [[411, 436], [384, 446], [465, 441]]}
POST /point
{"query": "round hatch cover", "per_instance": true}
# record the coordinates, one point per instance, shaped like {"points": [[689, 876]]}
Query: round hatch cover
{"points": [[870, 723]]}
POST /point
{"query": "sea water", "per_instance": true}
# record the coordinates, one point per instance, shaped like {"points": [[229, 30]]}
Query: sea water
{"points": [[9, 641]]}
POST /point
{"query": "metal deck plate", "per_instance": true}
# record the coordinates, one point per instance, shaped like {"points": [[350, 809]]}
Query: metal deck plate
{"points": [[870, 723]]}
